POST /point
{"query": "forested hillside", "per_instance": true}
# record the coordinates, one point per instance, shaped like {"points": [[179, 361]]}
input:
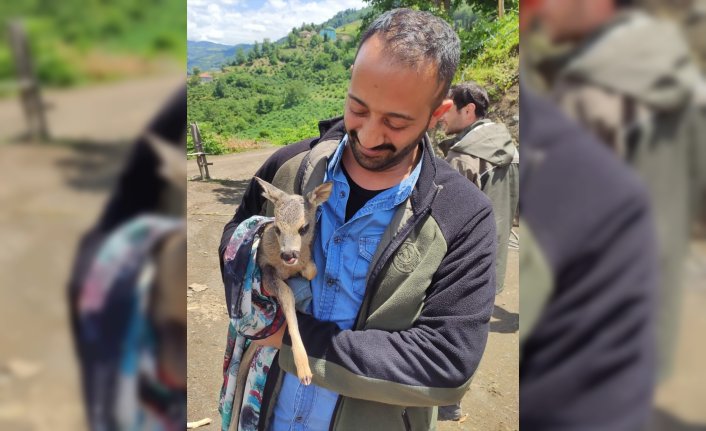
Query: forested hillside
{"points": [[277, 91], [210, 56]]}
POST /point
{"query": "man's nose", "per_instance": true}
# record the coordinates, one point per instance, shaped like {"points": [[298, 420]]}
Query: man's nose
{"points": [[370, 136]]}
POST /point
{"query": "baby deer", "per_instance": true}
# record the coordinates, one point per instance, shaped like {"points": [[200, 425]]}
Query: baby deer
{"points": [[285, 250]]}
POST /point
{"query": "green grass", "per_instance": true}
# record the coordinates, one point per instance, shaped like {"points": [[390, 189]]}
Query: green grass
{"points": [[69, 39], [493, 54]]}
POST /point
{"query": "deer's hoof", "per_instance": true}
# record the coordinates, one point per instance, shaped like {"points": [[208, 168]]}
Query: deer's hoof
{"points": [[305, 377]]}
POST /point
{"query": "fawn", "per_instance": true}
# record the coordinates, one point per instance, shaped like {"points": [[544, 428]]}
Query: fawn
{"points": [[285, 250]]}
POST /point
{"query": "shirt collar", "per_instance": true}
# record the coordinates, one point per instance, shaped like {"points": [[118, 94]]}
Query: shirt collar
{"points": [[400, 192]]}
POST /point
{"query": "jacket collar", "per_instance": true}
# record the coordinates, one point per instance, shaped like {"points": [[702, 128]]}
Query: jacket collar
{"points": [[425, 189]]}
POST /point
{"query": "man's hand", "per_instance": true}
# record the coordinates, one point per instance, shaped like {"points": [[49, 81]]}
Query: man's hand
{"points": [[274, 340]]}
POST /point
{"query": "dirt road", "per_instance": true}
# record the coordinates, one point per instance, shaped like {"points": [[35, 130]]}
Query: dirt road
{"points": [[49, 195], [492, 402]]}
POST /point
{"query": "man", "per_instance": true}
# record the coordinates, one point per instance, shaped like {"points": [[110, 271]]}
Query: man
{"points": [[630, 80], [405, 247], [484, 152]]}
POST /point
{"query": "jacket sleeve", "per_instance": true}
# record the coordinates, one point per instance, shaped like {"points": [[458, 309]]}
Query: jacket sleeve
{"points": [[469, 168], [430, 363]]}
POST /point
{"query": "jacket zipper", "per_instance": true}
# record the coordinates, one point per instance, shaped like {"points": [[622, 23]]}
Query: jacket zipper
{"points": [[399, 239], [335, 410], [405, 419]]}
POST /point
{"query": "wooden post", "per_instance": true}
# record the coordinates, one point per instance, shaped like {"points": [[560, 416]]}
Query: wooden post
{"points": [[200, 154], [501, 8], [28, 83]]}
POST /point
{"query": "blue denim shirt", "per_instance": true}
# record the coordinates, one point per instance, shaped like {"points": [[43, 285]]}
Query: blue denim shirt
{"points": [[342, 252]]}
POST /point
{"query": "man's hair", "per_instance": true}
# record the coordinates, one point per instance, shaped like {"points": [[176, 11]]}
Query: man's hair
{"points": [[416, 38], [470, 92], [624, 3]]}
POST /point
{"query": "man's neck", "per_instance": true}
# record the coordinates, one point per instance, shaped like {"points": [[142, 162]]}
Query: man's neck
{"points": [[380, 180]]}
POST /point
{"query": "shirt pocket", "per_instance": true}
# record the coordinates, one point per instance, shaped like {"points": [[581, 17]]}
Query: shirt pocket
{"points": [[366, 251], [367, 248]]}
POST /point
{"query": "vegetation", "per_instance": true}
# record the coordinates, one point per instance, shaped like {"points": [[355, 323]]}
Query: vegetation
{"points": [[76, 41], [278, 91]]}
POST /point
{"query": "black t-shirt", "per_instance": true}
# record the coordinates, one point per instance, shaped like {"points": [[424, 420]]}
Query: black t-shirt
{"points": [[358, 196]]}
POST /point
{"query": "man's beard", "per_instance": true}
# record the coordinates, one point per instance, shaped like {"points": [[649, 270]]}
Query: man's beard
{"points": [[389, 155]]}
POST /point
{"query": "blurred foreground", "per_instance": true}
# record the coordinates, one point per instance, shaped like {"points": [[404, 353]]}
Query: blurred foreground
{"points": [[616, 197], [51, 194]]}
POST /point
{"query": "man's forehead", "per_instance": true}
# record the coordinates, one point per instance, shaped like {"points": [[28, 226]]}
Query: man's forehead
{"points": [[377, 79]]}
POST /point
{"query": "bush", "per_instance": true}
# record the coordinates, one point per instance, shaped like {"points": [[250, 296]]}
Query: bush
{"points": [[491, 53], [294, 94]]}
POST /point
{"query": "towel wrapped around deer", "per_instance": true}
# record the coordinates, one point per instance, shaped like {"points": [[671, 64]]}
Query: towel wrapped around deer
{"points": [[262, 253]]}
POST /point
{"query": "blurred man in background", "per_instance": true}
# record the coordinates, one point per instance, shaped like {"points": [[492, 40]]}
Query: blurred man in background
{"points": [[630, 80], [484, 152]]}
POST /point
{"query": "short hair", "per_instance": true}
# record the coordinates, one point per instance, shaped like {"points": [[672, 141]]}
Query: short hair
{"points": [[414, 38], [624, 3], [470, 92]]}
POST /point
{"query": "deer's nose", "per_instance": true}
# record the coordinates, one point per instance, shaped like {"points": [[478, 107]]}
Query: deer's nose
{"points": [[290, 257]]}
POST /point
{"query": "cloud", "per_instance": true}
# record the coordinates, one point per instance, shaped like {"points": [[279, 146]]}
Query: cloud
{"points": [[235, 21]]}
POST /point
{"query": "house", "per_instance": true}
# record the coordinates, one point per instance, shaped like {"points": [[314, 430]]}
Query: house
{"points": [[205, 77], [329, 32]]}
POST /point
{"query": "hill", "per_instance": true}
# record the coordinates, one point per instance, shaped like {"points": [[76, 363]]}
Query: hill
{"points": [[277, 92], [210, 56]]}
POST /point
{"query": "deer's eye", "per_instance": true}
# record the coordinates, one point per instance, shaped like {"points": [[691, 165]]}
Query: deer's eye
{"points": [[303, 229], [277, 231]]}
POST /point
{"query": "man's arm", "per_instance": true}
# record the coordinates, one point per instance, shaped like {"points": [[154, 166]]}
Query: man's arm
{"points": [[430, 363], [469, 170]]}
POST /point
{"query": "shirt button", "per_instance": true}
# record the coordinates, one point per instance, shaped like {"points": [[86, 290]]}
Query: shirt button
{"points": [[330, 282], [337, 239], [342, 194], [299, 419]]}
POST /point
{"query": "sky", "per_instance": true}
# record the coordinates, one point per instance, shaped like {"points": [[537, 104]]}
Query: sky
{"points": [[231, 22]]}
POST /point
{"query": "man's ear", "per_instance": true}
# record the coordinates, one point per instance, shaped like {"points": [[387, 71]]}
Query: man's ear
{"points": [[469, 113], [270, 192], [440, 111]]}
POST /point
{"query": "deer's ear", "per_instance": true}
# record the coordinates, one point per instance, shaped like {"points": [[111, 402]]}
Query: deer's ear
{"points": [[270, 192], [320, 194]]}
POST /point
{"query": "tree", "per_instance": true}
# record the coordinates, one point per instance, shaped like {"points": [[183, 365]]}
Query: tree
{"points": [[294, 94], [194, 79], [321, 62], [240, 57], [292, 40], [264, 106], [273, 57], [315, 41], [266, 47], [219, 91], [256, 50]]}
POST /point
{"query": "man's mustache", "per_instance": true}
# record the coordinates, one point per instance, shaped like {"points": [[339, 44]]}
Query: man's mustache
{"points": [[354, 140]]}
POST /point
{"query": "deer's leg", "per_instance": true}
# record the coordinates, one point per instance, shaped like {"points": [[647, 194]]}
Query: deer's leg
{"points": [[309, 271], [286, 301]]}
